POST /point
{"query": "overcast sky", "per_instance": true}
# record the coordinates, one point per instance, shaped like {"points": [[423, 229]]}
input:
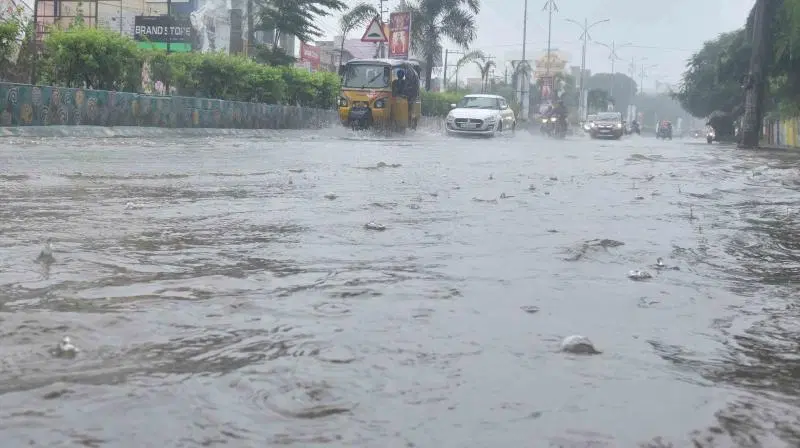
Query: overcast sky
{"points": [[666, 33]]}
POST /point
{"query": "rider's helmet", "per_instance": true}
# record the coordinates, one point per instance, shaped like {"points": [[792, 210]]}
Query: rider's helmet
{"points": [[401, 74]]}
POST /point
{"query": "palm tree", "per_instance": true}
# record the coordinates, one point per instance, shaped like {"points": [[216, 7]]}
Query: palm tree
{"points": [[356, 16], [434, 20], [484, 63], [295, 17]]}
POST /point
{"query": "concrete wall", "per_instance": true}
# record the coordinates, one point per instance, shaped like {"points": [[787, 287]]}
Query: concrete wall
{"points": [[26, 105], [782, 132]]}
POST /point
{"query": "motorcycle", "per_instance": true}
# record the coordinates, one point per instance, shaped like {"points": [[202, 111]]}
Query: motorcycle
{"points": [[635, 129], [549, 125], [711, 136]]}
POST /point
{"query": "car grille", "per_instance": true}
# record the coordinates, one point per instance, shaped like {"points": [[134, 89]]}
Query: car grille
{"points": [[474, 123]]}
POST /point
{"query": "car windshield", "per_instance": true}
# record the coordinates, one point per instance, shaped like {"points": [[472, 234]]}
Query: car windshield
{"points": [[366, 76], [609, 117], [478, 102]]}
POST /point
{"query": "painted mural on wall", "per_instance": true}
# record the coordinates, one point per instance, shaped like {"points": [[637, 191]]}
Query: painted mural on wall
{"points": [[26, 105]]}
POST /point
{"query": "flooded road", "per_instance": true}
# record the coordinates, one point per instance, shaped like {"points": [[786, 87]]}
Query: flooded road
{"points": [[225, 291]]}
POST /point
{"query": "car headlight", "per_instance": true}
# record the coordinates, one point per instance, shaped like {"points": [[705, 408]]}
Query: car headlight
{"points": [[342, 101], [591, 125], [380, 103], [619, 125], [553, 119], [544, 120], [491, 120], [450, 117]]}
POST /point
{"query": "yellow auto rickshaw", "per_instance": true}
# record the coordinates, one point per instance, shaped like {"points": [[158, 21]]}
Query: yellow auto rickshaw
{"points": [[380, 94]]}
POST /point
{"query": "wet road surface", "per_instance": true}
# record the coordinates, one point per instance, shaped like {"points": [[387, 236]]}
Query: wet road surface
{"points": [[233, 303]]}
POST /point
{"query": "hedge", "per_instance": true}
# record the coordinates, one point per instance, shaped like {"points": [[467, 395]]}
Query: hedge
{"points": [[101, 59], [437, 104]]}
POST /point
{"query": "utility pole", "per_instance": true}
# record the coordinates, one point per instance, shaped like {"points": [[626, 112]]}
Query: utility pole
{"points": [[754, 81], [169, 28], [585, 27], [550, 7], [523, 80], [642, 75], [444, 75], [34, 49], [613, 57], [381, 11]]}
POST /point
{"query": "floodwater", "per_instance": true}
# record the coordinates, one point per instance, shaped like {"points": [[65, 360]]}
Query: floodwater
{"points": [[233, 303]]}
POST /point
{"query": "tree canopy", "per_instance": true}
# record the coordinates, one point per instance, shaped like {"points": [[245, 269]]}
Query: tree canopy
{"points": [[295, 17], [433, 21], [622, 86]]}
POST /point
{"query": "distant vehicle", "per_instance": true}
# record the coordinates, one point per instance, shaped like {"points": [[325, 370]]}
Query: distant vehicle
{"points": [[607, 125], [711, 135], [697, 133], [664, 130], [480, 114]]}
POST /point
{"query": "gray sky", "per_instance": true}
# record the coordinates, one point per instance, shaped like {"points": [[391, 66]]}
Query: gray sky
{"points": [[664, 32]]}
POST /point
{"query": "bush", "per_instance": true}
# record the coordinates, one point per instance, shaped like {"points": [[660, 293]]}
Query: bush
{"points": [[91, 57], [103, 59], [437, 104]]}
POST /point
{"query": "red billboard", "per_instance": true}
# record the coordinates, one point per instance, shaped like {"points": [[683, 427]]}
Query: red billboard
{"points": [[400, 37], [310, 54]]}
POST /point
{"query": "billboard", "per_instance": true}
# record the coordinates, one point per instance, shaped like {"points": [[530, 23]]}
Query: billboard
{"points": [[310, 54], [156, 31], [400, 35]]}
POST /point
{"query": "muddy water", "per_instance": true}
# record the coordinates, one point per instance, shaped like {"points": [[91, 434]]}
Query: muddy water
{"points": [[234, 303]]}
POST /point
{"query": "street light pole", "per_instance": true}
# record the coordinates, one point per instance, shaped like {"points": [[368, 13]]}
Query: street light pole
{"points": [[523, 80], [614, 58], [550, 7], [585, 27]]}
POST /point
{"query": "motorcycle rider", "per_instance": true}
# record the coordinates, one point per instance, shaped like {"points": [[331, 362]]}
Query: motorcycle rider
{"points": [[635, 126], [560, 111]]}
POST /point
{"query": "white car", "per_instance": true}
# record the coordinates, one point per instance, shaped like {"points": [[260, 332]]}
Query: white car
{"points": [[480, 115]]}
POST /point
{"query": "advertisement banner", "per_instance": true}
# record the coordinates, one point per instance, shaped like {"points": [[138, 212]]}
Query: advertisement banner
{"points": [[310, 54], [400, 37], [156, 31]]}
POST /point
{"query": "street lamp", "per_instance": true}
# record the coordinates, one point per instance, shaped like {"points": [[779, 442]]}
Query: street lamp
{"points": [[585, 27], [643, 74], [614, 58]]}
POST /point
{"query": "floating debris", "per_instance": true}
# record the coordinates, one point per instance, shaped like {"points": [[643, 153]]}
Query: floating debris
{"points": [[331, 196], [639, 275], [579, 345], [661, 266], [532, 187], [530, 309], [489, 201], [65, 348], [375, 226], [505, 196], [133, 206]]}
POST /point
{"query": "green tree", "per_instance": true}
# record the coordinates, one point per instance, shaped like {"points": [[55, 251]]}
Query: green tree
{"points": [[621, 88], [295, 17], [484, 64], [358, 15], [711, 85], [432, 21], [597, 100]]}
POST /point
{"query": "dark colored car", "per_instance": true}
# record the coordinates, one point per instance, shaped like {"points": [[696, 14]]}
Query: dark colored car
{"points": [[607, 125]]}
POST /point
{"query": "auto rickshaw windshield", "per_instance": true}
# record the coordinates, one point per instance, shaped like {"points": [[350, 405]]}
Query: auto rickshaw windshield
{"points": [[366, 76]]}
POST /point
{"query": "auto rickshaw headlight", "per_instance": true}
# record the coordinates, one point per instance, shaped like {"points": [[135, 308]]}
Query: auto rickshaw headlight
{"points": [[342, 101], [380, 104]]}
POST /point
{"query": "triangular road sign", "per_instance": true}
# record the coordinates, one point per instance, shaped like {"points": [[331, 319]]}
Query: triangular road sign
{"points": [[375, 32]]}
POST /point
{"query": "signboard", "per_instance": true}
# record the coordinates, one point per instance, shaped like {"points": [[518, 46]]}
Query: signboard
{"points": [[375, 32], [400, 29], [310, 54], [156, 31]]}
